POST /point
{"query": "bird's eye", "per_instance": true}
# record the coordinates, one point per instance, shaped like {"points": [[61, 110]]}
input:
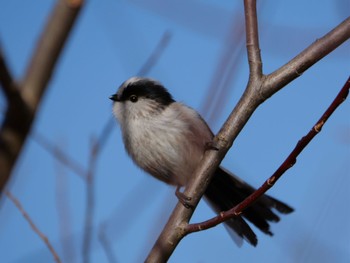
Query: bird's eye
{"points": [[133, 98]]}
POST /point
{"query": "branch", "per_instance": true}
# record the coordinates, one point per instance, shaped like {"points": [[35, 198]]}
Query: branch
{"points": [[22, 108], [255, 93], [156, 54], [59, 154], [48, 50], [64, 214], [33, 226], [90, 199], [106, 244], [252, 39], [225, 72], [308, 57], [288, 163], [6, 80]]}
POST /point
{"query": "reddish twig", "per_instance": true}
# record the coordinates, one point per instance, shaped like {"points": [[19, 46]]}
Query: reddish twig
{"points": [[16, 202], [288, 163]]}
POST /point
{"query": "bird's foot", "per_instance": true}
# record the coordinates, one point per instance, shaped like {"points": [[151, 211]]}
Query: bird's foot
{"points": [[212, 145], [184, 199]]}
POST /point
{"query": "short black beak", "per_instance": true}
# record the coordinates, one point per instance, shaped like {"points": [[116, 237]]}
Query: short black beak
{"points": [[114, 97]]}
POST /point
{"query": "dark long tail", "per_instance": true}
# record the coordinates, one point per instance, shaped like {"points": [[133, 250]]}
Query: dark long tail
{"points": [[226, 190]]}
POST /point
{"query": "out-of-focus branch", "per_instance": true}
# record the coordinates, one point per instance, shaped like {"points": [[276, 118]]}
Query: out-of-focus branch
{"points": [[48, 50], [23, 105], [225, 72], [44, 238], [90, 199], [6, 80], [155, 55], [57, 152], [106, 243], [256, 92], [64, 214], [288, 163]]}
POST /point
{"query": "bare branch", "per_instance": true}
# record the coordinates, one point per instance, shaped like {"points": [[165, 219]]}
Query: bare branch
{"points": [[49, 47], [175, 229], [312, 54], [102, 236], [226, 70], [64, 214], [57, 152], [288, 163], [252, 39], [155, 55], [44, 238], [22, 108], [254, 95], [90, 200]]}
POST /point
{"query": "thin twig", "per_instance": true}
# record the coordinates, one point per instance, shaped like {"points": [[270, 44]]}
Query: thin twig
{"points": [[102, 236], [44, 238], [64, 214], [288, 163], [90, 200], [225, 72], [59, 154], [156, 54], [252, 40]]}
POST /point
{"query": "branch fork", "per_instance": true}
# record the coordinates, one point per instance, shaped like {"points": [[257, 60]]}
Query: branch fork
{"points": [[259, 88]]}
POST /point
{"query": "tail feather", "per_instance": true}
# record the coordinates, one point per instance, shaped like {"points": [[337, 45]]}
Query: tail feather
{"points": [[227, 190]]}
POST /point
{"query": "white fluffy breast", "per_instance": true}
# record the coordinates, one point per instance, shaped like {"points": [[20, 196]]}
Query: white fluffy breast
{"points": [[167, 143]]}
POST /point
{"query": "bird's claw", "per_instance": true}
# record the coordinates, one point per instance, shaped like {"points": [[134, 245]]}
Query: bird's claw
{"points": [[212, 145], [184, 199]]}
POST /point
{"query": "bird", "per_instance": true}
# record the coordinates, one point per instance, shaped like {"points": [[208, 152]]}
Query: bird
{"points": [[167, 139]]}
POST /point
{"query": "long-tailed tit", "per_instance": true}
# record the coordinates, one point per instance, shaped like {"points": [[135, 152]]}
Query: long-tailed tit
{"points": [[168, 139]]}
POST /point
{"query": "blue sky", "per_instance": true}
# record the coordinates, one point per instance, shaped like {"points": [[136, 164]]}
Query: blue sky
{"points": [[110, 42]]}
